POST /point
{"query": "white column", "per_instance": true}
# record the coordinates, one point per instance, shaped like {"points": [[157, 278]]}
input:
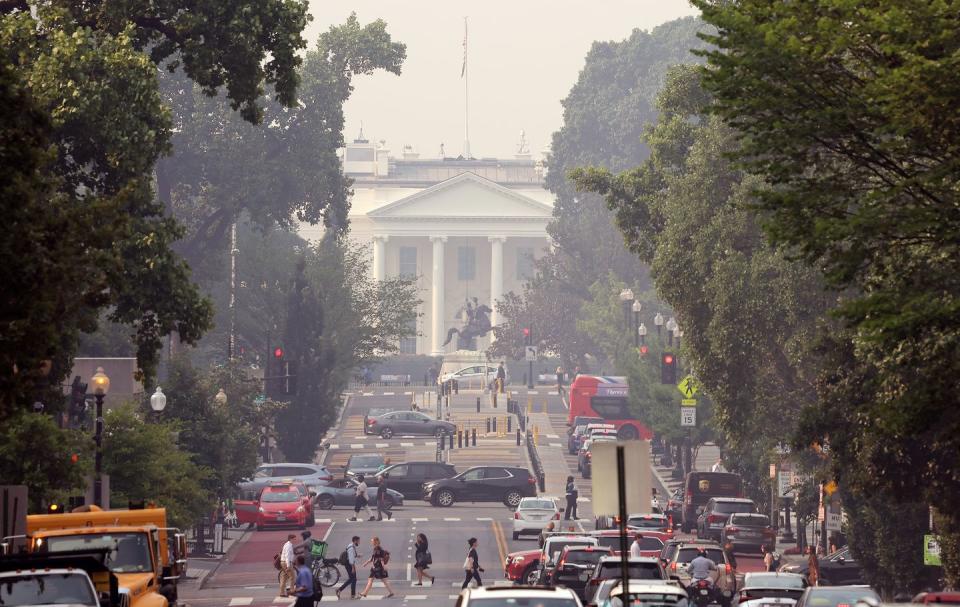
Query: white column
{"points": [[380, 256], [496, 276], [437, 307]]}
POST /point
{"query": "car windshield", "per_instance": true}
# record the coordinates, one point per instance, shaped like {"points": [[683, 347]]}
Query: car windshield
{"points": [[730, 507], [584, 557], [686, 555], [280, 496], [750, 520], [637, 571], [827, 597], [52, 589], [129, 552], [646, 522], [528, 504], [524, 601], [646, 543], [649, 599], [557, 547], [760, 580], [365, 461]]}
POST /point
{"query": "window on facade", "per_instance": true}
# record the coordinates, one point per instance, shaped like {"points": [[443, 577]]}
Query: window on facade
{"points": [[408, 262], [466, 263], [408, 345], [524, 263]]}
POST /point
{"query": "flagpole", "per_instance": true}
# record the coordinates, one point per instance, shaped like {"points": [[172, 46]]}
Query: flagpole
{"points": [[466, 95]]}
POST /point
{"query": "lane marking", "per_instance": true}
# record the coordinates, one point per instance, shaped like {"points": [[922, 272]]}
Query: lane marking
{"points": [[501, 540], [553, 436], [334, 446], [382, 445], [453, 519], [388, 393], [356, 446], [415, 597], [408, 393], [408, 572], [241, 600], [419, 520], [363, 437], [406, 444], [324, 520], [532, 392]]}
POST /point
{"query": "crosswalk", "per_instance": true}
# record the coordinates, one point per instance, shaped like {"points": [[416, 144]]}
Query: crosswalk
{"points": [[378, 592]]}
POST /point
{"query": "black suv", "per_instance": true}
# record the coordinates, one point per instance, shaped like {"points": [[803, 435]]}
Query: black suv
{"points": [[482, 484], [408, 478], [715, 514]]}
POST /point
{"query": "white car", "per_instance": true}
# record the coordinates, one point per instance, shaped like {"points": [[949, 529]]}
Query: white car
{"points": [[476, 376], [508, 596], [533, 514], [644, 592]]}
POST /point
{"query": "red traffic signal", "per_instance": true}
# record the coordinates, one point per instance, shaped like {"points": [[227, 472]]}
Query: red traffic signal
{"points": [[74, 458], [668, 368], [278, 352], [668, 359], [644, 350], [526, 331]]}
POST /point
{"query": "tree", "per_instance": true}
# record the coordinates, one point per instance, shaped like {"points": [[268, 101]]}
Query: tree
{"points": [[847, 113], [36, 453], [338, 319], [145, 463]]}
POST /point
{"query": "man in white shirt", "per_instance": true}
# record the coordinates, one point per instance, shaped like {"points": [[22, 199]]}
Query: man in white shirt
{"points": [[287, 572], [361, 500], [635, 546]]}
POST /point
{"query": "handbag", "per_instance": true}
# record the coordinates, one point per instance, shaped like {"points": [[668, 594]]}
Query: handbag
{"points": [[427, 558], [468, 564]]}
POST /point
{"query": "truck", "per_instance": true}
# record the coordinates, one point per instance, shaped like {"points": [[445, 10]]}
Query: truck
{"points": [[147, 557], [76, 578]]}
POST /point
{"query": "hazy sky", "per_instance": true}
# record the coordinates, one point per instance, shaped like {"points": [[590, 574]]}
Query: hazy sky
{"points": [[524, 55]]}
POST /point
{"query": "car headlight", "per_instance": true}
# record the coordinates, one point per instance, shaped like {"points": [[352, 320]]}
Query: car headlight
{"points": [[261, 509]]}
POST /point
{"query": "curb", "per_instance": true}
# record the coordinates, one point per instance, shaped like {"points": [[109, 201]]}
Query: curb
{"points": [[340, 418], [202, 579]]}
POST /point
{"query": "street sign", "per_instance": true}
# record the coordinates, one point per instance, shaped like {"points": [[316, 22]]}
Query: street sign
{"points": [[688, 386], [530, 353], [688, 402], [688, 416], [834, 521], [785, 482], [259, 400], [931, 550], [605, 481]]}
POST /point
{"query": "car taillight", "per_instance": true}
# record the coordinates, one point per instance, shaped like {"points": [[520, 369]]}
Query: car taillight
{"points": [[531, 480], [371, 422], [713, 518], [516, 515], [556, 516], [729, 568], [732, 530], [673, 566]]}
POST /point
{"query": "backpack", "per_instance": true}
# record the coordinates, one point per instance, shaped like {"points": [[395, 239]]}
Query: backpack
{"points": [[344, 558], [276, 562], [385, 558]]}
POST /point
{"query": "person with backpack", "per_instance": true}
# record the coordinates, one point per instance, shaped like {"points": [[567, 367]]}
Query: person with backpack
{"points": [[471, 565], [349, 559], [378, 570]]}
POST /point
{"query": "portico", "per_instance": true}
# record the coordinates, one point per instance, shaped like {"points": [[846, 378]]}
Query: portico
{"points": [[463, 238]]}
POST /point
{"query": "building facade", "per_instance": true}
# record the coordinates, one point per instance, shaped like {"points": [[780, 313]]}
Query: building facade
{"points": [[465, 229]]}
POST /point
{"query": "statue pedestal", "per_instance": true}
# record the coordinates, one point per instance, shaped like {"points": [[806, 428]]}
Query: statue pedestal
{"points": [[467, 358]]}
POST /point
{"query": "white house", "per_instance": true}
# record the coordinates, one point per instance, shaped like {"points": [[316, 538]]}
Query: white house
{"points": [[465, 228]]}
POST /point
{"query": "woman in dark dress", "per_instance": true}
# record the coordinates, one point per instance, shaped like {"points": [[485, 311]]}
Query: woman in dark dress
{"points": [[471, 565], [378, 570], [423, 559]]}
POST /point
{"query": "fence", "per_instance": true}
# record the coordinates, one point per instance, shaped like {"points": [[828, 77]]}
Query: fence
{"points": [[538, 472]]}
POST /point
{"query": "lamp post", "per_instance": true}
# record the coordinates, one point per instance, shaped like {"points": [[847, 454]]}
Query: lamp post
{"points": [[637, 306], [626, 298], [671, 327], [658, 321], [101, 385], [642, 333], [158, 402], [678, 334], [221, 398]]}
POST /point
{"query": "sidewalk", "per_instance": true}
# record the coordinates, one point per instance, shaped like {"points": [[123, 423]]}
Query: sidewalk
{"points": [[200, 567]]}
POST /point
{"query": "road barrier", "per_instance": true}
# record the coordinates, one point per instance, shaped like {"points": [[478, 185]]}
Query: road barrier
{"points": [[538, 472]]}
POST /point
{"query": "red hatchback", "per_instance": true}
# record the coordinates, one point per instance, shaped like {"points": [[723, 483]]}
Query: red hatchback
{"points": [[281, 505]]}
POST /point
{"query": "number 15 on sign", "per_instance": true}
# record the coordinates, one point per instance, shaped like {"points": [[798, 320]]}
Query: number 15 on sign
{"points": [[688, 416]]}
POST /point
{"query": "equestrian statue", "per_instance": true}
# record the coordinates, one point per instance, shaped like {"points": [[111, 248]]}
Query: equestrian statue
{"points": [[477, 324]]}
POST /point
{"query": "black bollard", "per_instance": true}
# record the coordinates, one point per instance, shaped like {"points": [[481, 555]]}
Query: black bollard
{"points": [[459, 439], [518, 437], [509, 423], [494, 425], [488, 425], [494, 400], [478, 404], [474, 437], [543, 481]]}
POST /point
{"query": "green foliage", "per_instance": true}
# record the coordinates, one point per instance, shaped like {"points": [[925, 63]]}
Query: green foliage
{"points": [[338, 318], [145, 463], [847, 111], [35, 452]]}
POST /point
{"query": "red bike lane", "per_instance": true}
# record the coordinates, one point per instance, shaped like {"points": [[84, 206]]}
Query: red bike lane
{"points": [[250, 561]]}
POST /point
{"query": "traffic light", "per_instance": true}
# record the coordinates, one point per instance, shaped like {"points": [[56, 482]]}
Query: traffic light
{"points": [[644, 350], [74, 458], [668, 368], [278, 353]]}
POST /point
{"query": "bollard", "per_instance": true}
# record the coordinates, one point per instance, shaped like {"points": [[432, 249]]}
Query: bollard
{"points": [[451, 439], [536, 435], [488, 425], [518, 437], [494, 400], [494, 425], [459, 439], [474, 432], [543, 481], [478, 404], [509, 424]]}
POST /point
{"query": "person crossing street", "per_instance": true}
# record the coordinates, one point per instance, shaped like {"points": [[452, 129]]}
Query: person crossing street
{"points": [[286, 565], [471, 565], [303, 587], [361, 500], [350, 558], [382, 506]]}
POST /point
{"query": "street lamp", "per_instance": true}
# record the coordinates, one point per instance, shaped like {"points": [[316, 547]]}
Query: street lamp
{"points": [[671, 327], [637, 306], [158, 402], [626, 297], [679, 334], [658, 321], [101, 385], [221, 398], [642, 332]]}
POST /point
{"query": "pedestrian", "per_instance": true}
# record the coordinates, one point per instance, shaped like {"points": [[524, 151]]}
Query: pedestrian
{"points": [[349, 559], [576, 372], [635, 546], [768, 559], [813, 567], [545, 533], [378, 570], [303, 586], [305, 548], [383, 466], [501, 378], [433, 373], [731, 557], [572, 495], [361, 500], [286, 565], [471, 565], [560, 389], [717, 466], [423, 559], [383, 507]]}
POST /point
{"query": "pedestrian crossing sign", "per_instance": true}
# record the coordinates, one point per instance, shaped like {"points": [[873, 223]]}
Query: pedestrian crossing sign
{"points": [[688, 386]]}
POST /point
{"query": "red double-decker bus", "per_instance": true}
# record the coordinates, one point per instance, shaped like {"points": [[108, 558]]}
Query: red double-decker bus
{"points": [[606, 397]]}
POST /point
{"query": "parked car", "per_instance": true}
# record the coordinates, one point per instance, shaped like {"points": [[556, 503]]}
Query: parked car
{"points": [[699, 487], [748, 530], [401, 423], [837, 568], [342, 492], [609, 567], [642, 592], [521, 567], [508, 596], [585, 457], [650, 545], [926, 598], [765, 588], [553, 547], [408, 478], [366, 464], [482, 484], [576, 565], [678, 566], [533, 514], [311, 475], [715, 513], [835, 596], [476, 375]]}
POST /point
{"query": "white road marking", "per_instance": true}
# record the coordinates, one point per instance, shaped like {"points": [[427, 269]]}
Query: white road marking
{"points": [[553, 436], [415, 597], [356, 445], [241, 600], [361, 437], [419, 520], [388, 393], [382, 445], [408, 393], [532, 392], [554, 445], [406, 444], [367, 393], [254, 587], [334, 446], [322, 520], [484, 518], [452, 519], [408, 572]]}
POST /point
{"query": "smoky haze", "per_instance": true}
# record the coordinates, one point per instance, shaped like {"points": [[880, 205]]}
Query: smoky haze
{"points": [[524, 56]]}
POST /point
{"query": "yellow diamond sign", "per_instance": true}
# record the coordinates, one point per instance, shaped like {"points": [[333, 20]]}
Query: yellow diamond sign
{"points": [[688, 386]]}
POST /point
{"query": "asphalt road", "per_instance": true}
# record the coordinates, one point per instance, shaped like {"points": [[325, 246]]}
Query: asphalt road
{"points": [[245, 576]]}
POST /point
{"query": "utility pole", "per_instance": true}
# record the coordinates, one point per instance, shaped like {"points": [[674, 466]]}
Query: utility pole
{"points": [[232, 341]]}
